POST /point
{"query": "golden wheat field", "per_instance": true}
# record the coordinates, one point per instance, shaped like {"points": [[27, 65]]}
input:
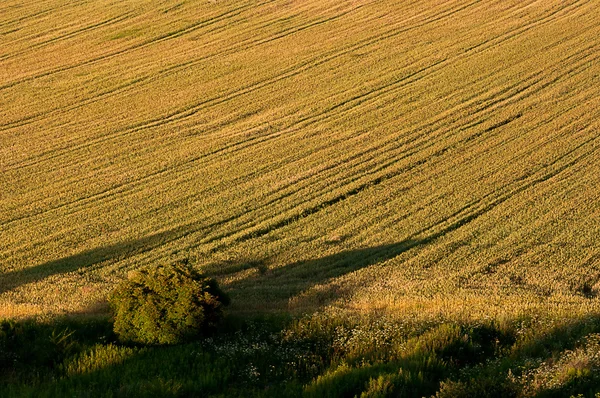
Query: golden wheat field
{"points": [[427, 159]]}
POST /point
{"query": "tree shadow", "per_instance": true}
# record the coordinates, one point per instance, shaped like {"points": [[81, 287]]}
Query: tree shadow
{"points": [[14, 279], [272, 289]]}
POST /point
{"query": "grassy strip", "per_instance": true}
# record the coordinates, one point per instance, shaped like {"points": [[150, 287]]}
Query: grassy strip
{"points": [[320, 356]]}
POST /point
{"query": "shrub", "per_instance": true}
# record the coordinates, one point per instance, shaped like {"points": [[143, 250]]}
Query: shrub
{"points": [[168, 304]]}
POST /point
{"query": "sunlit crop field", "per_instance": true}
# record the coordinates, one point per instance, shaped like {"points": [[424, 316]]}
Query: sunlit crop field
{"points": [[427, 159]]}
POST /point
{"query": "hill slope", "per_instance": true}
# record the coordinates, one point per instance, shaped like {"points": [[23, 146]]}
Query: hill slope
{"points": [[434, 159]]}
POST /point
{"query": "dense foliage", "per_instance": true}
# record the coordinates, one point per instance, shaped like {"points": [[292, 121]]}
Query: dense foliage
{"points": [[168, 304]]}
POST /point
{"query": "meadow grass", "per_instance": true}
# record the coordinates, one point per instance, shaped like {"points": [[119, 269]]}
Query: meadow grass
{"points": [[424, 161], [319, 355]]}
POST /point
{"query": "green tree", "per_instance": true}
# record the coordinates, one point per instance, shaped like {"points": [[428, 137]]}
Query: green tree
{"points": [[168, 304]]}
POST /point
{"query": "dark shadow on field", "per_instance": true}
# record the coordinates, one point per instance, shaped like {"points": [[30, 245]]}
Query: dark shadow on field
{"points": [[14, 279], [273, 288]]}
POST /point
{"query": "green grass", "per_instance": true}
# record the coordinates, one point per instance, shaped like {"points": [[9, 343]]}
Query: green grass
{"points": [[317, 356]]}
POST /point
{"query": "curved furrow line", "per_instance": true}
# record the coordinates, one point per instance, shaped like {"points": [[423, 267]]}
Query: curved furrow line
{"points": [[176, 168], [251, 43], [379, 148], [416, 147], [138, 80], [122, 188], [195, 108], [525, 87], [551, 18], [380, 179], [191, 110], [142, 81], [296, 128], [478, 152], [220, 151], [47, 11], [193, 63], [469, 214], [296, 70], [171, 117], [167, 36], [69, 35], [185, 115], [542, 176], [431, 69], [478, 207], [308, 199]]}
